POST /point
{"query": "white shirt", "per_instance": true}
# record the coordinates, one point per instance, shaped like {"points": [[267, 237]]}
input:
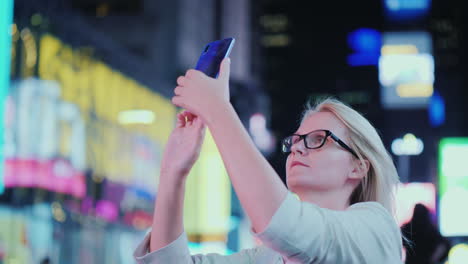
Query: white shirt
{"points": [[302, 232]]}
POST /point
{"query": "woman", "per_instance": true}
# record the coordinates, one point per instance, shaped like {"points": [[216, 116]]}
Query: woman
{"points": [[337, 166]]}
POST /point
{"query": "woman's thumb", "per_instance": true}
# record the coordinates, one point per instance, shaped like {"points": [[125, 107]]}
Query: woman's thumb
{"points": [[225, 69]]}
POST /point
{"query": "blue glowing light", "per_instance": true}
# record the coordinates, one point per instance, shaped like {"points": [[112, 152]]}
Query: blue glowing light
{"points": [[366, 44], [436, 110], [140, 193], [406, 9], [365, 40]]}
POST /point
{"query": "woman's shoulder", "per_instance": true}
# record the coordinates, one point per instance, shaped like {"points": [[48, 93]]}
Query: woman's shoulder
{"points": [[263, 254], [374, 212], [369, 206], [378, 229]]}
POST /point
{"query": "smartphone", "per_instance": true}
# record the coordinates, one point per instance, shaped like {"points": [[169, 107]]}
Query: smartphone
{"points": [[212, 55]]}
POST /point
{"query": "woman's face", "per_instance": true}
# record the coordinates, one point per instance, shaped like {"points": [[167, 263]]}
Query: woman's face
{"points": [[324, 169]]}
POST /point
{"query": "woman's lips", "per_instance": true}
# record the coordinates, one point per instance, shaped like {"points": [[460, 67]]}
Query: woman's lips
{"points": [[298, 163]]}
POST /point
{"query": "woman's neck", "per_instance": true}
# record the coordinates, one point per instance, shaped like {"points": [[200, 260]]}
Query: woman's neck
{"points": [[334, 200]]}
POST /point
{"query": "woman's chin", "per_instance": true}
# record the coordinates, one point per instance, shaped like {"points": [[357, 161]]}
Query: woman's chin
{"points": [[299, 182], [293, 181]]}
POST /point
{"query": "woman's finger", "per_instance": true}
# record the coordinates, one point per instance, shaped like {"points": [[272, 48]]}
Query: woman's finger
{"points": [[180, 120], [190, 116], [178, 90], [181, 81], [225, 70], [191, 73], [178, 101]]}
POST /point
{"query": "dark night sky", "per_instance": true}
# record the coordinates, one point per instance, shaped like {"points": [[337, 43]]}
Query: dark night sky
{"points": [[315, 63]]}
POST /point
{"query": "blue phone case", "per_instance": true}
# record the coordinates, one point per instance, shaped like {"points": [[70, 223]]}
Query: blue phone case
{"points": [[212, 55]]}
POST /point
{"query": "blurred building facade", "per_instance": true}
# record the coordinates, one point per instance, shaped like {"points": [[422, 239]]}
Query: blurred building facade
{"points": [[87, 117]]}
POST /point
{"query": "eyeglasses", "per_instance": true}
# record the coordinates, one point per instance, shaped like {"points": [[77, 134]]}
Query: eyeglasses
{"points": [[314, 140]]}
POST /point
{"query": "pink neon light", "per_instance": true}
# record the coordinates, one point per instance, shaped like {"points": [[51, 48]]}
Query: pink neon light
{"points": [[107, 210], [409, 195], [54, 175]]}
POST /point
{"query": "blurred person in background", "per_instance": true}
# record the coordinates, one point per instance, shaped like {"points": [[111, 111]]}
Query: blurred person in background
{"points": [[45, 260], [337, 166], [427, 244]]}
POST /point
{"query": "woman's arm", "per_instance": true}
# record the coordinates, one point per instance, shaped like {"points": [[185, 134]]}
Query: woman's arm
{"points": [[258, 186], [168, 213], [180, 153]]}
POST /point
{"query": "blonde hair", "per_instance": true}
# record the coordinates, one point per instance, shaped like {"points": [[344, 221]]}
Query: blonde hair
{"points": [[382, 178]]}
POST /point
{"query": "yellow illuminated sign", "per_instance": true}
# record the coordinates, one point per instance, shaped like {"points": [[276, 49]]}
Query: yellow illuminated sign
{"points": [[399, 49], [101, 94], [208, 196], [415, 90]]}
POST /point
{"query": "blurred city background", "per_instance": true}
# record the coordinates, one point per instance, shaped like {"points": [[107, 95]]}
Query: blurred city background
{"points": [[85, 88]]}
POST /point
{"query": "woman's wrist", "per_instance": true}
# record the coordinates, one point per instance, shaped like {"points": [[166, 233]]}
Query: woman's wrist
{"points": [[172, 180], [218, 113]]}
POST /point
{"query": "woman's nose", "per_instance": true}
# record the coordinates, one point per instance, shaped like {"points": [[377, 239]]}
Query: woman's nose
{"points": [[298, 148]]}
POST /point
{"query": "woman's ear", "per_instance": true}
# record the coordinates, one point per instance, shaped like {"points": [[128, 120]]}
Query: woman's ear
{"points": [[360, 169]]}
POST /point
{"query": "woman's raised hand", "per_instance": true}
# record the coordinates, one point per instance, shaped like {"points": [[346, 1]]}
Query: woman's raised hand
{"points": [[183, 147], [201, 94]]}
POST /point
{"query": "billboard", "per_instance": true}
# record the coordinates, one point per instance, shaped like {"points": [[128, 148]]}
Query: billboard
{"points": [[37, 123], [406, 70], [67, 121], [406, 10], [453, 186], [118, 149]]}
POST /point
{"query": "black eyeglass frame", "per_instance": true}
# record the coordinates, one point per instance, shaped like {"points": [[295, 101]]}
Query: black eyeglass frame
{"points": [[328, 133]]}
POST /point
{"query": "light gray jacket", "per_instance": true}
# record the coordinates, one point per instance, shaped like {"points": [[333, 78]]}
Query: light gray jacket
{"points": [[302, 232]]}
